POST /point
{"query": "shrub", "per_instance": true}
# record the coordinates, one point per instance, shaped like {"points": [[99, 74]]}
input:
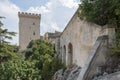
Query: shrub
{"points": [[18, 70]]}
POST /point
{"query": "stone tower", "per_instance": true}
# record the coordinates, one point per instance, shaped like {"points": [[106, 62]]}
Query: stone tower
{"points": [[29, 28]]}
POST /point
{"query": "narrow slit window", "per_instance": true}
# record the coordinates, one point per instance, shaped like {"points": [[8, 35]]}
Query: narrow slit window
{"points": [[33, 23], [33, 33]]}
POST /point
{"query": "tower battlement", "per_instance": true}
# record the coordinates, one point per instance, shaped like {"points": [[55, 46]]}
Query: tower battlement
{"points": [[29, 28], [25, 14]]}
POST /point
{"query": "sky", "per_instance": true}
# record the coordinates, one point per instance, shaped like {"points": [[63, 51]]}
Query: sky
{"points": [[55, 14]]}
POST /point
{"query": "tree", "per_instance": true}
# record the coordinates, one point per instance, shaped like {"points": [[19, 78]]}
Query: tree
{"points": [[7, 51], [5, 34], [50, 67], [41, 52], [40, 62], [101, 12], [37, 48], [18, 70]]}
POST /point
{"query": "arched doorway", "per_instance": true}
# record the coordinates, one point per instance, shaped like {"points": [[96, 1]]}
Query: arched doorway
{"points": [[70, 54], [64, 54], [60, 56]]}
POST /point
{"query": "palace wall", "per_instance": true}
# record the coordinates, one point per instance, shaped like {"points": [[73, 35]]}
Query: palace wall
{"points": [[82, 36]]}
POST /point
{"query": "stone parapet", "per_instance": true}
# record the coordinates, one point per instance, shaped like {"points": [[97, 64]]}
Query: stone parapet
{"points": [[95, 59], [25, 14]]}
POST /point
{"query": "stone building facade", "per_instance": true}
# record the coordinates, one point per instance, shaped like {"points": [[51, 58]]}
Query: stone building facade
{"points": [[29, 28], [80, 43], [78, 38], [52, 36]]}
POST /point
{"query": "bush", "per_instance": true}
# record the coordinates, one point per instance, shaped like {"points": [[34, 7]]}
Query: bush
{"points": [[50, 67], [18, 70], [41, 52]]}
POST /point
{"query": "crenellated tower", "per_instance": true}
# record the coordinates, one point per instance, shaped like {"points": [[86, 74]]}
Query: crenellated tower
{"points": [[29, 28]]}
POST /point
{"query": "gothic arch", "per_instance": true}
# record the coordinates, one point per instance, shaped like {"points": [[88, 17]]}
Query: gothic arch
{"points": [[64, 54], [61, 52], [70, 54]]}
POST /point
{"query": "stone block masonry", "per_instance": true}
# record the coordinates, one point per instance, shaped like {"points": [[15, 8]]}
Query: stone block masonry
{"points": [[29, 28]]}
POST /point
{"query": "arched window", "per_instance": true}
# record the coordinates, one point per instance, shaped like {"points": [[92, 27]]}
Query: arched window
{"points": [[64, 54], [70, 54], [60, 52], [33, 33]]}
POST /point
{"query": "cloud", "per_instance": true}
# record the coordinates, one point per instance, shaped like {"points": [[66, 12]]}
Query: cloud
{"points": [[55, 15], [10, 10], [41, 10], [48, 5], [55, 26], [69, 3]]}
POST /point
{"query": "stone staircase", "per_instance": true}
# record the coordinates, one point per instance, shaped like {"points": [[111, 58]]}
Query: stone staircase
{"points": [[95, 59]]}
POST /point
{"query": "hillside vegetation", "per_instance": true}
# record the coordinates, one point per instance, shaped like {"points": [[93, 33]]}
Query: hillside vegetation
{"points": [[38, 62]]}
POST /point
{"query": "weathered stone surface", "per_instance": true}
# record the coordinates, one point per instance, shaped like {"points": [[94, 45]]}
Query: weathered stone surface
{"points": [[58, 75], [112, 76], [111, 67], [82, 35], [29, 28], [68, 74], [74, 74], [95, 59]]}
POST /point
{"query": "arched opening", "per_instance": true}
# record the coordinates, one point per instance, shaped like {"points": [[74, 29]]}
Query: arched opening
{"points": [[60, 55], [70, 54], [64, 54]]}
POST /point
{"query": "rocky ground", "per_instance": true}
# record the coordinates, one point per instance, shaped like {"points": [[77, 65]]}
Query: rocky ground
{"points": [[112, 65], [69, 74]]}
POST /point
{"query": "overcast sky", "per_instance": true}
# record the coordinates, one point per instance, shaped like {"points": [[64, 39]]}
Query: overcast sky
{"points": [[55, 14]]}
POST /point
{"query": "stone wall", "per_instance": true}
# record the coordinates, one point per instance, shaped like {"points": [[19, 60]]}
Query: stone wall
{"points": [[96, 58], [52, 36], [29, 28], [82, 36]]}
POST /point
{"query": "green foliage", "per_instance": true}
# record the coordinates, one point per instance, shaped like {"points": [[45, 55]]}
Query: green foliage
{"points": [[41, 52], [101, 12], [18, 70], [5, 35], [7, 51], [39, 47], [40, 62], [115, 49], [1, 24], [50, 67]]}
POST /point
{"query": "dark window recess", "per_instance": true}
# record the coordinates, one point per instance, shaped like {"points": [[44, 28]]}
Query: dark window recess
{"points": [[33, 33], [33, 23]]}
